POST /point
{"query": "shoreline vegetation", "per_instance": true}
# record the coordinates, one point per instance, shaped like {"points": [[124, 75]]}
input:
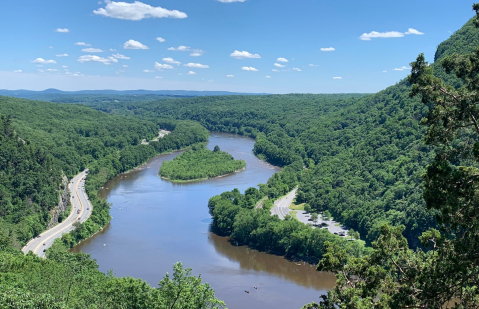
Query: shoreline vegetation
{"points": [[200, 164]]}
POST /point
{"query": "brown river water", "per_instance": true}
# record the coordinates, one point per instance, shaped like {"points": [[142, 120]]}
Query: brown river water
{"points": [[157, 223]]}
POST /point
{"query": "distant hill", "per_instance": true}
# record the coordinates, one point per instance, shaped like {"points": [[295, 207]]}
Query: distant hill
{"points": [[55, 95]]}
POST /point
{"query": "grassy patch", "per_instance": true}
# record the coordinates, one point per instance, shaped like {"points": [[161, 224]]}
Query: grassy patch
{"points": [[293, 214], [295, 206]]}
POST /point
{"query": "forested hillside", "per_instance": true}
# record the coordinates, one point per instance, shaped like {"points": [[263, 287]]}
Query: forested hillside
{"points": [[42, 141], [365, 153]]}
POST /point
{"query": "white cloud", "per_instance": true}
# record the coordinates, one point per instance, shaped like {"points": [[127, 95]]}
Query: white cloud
{"points": [[275, 70], [136, 11], [94, 58], [160, 39], [62, 30], [161, 66], [197, 65], [230, 75], [180, 48], [132, 44], [413, 31], [82, 44], [282, 60], [112, 50], [50, 46], [125, 66], [244, 54], [120, 71], [171, 60], [191, 73], [249, 69], [148, 71], [388, 35], [267, 76], [230, 1], [17, 71], [327, 49], [92, 50], [297, 69], [158, 77], [401, 68], [337, 77], [120, 56], [279, 65], [62, 55], [64, 66], [385, 71], [313, 65], [196, 53], [52, 70], [43, 61]]}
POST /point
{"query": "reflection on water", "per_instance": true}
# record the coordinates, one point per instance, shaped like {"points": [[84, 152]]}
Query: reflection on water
{"points": [[157, 223]]}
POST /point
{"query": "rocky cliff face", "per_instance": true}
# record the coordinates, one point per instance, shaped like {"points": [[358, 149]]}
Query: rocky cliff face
{"points": [[64, 201]]}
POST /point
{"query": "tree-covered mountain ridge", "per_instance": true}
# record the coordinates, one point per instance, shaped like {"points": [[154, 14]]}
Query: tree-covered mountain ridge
{"points": [[365, 153]]}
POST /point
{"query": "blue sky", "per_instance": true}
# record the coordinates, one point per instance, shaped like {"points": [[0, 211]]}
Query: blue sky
{"points": [[233, 45]]}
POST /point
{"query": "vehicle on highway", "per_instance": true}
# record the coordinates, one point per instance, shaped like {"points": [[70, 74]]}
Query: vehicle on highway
{"points": [[78, 211]]}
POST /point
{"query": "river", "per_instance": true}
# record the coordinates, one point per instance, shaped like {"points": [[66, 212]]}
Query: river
{"points": [[157, 223]]}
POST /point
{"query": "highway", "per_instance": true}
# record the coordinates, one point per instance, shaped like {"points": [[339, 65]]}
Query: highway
{"points": [[80, 212], [281, 206]]}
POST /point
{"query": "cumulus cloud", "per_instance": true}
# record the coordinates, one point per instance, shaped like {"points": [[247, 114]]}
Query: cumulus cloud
{"points": [[279, 65], [64, 66], [125, 66], [17, 71], [249, 69], [161, 66], [385, 71], [327, 49], [244, 54], [401, 68], [62, 55], [313, 65], [337, 77], [94, 58], [132, 44], [282, 60], [148, 71], [230, 1], [112, 50], [52, 70], [267, 76], [120, 56], [136, 11], [43, 61], [160, 39], [82, 44], [413, 31], [62, 30], [230, 75], [92, 50], [180, 48], [171, 60], [297, 69], [388, 35], [191, 73], [275, 70], [197, 65], [196, 53]]}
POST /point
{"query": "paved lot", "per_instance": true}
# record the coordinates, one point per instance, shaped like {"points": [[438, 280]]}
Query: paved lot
{"points": [[281, 208]]}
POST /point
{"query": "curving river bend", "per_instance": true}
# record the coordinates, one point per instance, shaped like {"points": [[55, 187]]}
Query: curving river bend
{"points": [[157, 223]]}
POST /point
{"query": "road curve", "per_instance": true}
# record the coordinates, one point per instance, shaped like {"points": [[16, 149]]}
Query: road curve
{"points": [[81, 210], [281, 206]]}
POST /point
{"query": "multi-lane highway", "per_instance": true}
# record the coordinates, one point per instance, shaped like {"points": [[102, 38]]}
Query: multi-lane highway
{"points": [[281, 206], [80, 212]]}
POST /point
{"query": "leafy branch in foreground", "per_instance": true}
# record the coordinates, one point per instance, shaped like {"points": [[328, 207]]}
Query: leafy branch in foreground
{"points": [[446, 273]]}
